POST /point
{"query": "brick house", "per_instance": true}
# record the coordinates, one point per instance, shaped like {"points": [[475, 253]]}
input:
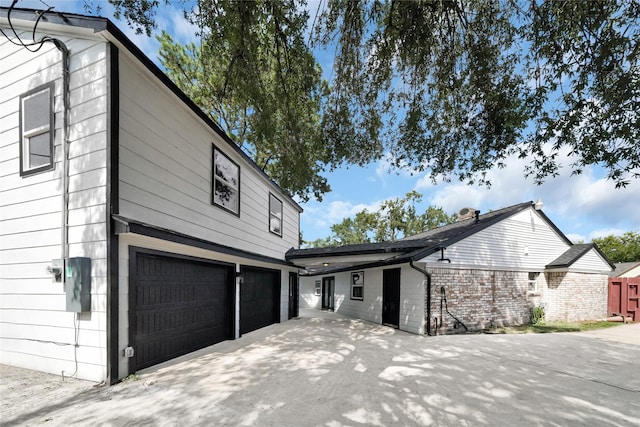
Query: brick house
{"points": [[482, 271]]}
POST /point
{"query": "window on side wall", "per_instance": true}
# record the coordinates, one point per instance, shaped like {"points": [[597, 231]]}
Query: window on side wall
{"points": [[532, 282], [275, 215], [317, 291], [226, 182], [357, 285], [36, 130]]}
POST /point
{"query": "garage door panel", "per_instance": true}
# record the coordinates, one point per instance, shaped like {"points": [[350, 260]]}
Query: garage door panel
{"points": [[259, 298], [180, 305]]}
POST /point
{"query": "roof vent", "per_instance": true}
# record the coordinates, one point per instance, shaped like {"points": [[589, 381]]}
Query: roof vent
{"points": [[466, 213]]}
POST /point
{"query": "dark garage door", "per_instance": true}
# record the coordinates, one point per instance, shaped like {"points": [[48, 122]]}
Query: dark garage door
{"points": [[259, 298], [179, 305]]}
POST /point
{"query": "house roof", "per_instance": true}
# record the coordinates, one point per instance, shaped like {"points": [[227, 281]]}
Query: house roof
{"points": [[574, 253], [100, 24], [623, 267], [415, 247], [421, 244]]}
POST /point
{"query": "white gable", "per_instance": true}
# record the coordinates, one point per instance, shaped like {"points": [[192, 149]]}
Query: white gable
{"points": [[524, 241], [591, 262]]}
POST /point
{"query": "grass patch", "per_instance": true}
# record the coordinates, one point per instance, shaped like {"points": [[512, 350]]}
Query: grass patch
{"points": [[549, 327]]}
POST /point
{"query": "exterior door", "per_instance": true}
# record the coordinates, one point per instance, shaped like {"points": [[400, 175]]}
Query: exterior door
{"points": [[391, 297], [328, 289], [294, 294]]}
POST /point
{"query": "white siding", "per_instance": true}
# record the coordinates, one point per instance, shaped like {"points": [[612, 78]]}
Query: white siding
{"points": [[36, 331], [591, 262], [522, 242], [165, 172], [412, 297]]}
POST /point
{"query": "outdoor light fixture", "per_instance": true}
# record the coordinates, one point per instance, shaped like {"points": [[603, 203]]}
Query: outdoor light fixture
{"points": [[325, 264]]}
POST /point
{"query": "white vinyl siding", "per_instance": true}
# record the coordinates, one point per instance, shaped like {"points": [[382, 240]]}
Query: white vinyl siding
{"points": [[166, 172], [36, 330], [412, 297], [522, 242], [591, 262]]}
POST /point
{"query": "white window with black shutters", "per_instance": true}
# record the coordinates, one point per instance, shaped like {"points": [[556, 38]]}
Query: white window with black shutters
{"points": [[275, 215], [226, 182], [36, 130]]}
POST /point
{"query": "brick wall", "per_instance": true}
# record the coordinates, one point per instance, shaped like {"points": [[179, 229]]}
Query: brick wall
{"points": [[575, 296], [479, 298], [488, 298]]}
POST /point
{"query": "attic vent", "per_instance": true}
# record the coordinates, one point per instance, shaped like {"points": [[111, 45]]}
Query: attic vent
{"points": [[466, 213]]}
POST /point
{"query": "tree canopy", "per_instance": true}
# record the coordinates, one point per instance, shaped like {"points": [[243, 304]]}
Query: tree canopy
{"points": [[395, 219], [625, 248], [451, 87]]}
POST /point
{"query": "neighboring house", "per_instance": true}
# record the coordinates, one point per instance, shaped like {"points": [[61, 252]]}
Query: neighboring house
{"points": [[173, 238], [482, 271], [626, 269]]}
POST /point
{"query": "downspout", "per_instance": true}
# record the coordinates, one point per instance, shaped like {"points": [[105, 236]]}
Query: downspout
{"points": [[428, 276]]}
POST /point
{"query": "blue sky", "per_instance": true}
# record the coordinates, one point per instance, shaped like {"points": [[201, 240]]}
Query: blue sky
{"points": [[583, 206]]}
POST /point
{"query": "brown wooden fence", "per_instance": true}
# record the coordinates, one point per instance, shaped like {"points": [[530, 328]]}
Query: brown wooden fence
{"points": [[623, 297]]}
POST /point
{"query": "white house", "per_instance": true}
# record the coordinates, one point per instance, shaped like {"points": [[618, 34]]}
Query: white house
{"points": [[132, 229], [482, 271]]}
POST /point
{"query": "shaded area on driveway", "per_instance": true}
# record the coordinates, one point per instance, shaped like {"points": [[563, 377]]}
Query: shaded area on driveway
{"points": [[325, 369]]}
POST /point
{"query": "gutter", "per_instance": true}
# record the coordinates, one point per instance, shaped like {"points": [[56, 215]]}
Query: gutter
{"points": [[428, 276]]}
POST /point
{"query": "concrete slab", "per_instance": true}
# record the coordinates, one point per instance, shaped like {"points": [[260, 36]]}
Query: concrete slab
{"points": [[328, 370]]}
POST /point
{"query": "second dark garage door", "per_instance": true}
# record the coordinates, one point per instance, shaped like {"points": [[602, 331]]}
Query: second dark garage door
{"points": [[259, 298], [177, 305]]}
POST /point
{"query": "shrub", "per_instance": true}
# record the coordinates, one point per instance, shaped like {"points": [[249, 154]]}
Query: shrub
{"points": [[537, 315]]}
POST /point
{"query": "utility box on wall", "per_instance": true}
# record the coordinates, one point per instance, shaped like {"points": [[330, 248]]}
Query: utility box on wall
{"points": [[78, 284]]}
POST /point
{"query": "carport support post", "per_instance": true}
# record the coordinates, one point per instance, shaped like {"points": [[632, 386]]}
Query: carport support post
{"points": [[427, 275], [236, 326]]}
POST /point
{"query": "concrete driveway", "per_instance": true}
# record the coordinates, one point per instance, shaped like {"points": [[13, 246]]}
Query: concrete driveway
{"points": [[327, 370]]}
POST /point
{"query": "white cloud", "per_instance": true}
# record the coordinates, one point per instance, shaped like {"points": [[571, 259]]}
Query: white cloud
{"points": [[576, 238], [339, 210], [604, 232], [582, 203]]}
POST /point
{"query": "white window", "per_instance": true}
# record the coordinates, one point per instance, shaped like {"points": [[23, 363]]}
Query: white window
{"points": [[36, 130], [318, 288], [532, 282], [275, 215], [357, 285], [226, 182]]}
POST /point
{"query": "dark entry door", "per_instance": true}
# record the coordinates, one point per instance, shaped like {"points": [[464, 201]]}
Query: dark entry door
{"points": [[178, 305], [294, 293], [259, 298], [391, 297], [328, 289]]}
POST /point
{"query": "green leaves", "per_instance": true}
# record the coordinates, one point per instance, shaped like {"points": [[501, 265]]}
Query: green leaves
{"points": [[395, 219], [625, 248], [450, 87], [460, 86], [254, 75]]}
